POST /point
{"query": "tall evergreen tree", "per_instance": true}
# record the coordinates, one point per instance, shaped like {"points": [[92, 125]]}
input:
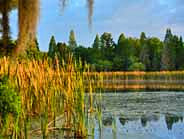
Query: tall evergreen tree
{"points": [[168, 53], [179, 54], [95, 52], [72, 41], [96, 44], [145, 51], [123, 53], [143, 38], [156, 47], [52, 47]]}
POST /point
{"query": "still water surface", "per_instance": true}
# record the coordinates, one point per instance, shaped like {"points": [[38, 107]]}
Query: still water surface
{"points": [[142, 115]]}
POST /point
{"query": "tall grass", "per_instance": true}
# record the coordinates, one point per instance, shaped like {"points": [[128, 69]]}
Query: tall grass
{"points": [[51, 92], [125, 81]]}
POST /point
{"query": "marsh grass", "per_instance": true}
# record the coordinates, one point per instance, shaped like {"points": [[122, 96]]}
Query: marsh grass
{"points": [[50, 91], [138, 81]]}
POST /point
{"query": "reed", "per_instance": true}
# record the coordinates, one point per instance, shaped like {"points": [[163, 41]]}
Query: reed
{"points": [[48, 92], [125, 81]]}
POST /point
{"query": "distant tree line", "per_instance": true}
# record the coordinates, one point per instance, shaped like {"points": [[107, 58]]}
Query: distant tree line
{"points": [[128, 54]]}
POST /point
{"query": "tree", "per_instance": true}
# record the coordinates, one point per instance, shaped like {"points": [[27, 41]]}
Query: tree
{"points": [[145, 51], [83, 54], [168, 53], [5, 7], [107, 46], [96, 44], [52, 47], [95, 51], [123, 53], [1, 25], [72, 41], [179, 54], [156, 47], [143, 38], [63, 52]]}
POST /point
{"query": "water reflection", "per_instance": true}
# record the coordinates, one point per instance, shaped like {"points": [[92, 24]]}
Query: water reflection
{"points": [[143, 115], [145, 127], [107, 121], [172, 119]]}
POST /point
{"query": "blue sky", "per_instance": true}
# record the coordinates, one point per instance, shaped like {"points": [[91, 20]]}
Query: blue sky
{"points": [[116, 16]]}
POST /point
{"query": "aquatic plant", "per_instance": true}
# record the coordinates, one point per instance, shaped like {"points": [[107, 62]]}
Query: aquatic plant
{"points": [[48, 91]]}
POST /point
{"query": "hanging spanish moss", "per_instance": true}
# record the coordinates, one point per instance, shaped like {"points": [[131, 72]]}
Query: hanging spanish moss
{"points": [[28, 14], [90, 10], [90, 4], [63, 3]]}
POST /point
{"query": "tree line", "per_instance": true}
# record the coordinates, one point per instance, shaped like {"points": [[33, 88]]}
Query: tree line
{"points": [[128, 54]]}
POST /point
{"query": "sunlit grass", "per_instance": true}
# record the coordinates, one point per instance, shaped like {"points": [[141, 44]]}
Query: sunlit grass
{"points": [[161, 80], [48, 91]]}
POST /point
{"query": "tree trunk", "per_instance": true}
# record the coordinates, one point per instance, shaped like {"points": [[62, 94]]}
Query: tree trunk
{"points": [[5, 26]]}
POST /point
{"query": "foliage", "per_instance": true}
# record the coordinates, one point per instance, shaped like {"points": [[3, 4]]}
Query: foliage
{"points": [[137, 67], [52, 47], [169, 52], [10, 105], [148, 53], [72, 42]]}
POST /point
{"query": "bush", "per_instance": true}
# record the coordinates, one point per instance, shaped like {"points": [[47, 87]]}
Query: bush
{"points": [[138, 66], [10, 103]]}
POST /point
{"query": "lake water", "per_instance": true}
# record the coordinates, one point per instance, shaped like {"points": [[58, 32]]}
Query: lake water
{"points": [[139, 115], [142, 115]]}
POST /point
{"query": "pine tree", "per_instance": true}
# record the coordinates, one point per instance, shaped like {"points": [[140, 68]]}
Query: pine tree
{"points": [[179, 54], [52, 47], [96, 43], [142, 38], [168, 53], [123, 53], [145, 51], [72, 41], [95, 54]]}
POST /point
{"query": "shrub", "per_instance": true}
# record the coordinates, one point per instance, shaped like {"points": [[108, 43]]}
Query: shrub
{"points": [[10, 104], [137, 67]]}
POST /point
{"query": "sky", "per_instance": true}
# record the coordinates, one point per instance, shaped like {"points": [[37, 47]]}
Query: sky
{"points": [[130, 17]]}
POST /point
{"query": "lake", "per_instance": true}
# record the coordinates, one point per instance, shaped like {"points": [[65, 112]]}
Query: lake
{"points": [[142, 115]]}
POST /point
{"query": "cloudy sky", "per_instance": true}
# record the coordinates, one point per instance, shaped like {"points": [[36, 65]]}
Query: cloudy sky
{"points": [[116, 16]]}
